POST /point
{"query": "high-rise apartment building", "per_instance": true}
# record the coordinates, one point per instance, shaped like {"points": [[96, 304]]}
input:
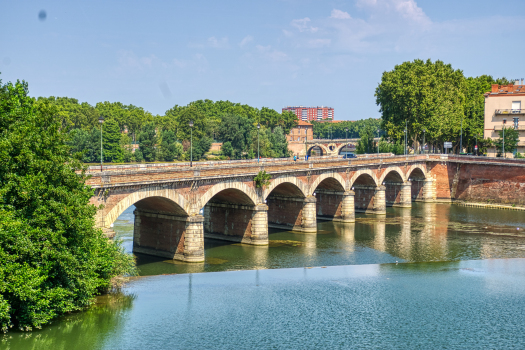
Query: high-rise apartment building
{"points": [[311, 113]]}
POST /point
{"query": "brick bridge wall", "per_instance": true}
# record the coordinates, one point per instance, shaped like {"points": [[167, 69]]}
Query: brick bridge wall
{"points": [[177, 205]]}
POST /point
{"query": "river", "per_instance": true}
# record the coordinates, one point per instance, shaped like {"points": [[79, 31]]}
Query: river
{"points": [[434, 276]]}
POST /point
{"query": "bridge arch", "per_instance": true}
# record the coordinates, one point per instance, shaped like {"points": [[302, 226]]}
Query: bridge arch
{"points": [[165, 198], [388, 173], [366, 177], [343, 145], [328, 176], [298, 187], [417, 171], [323, 148], [248, 191]]}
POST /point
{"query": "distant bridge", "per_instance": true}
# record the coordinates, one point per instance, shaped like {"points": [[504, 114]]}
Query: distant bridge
{"points": [[178, 206], [326, 147]]}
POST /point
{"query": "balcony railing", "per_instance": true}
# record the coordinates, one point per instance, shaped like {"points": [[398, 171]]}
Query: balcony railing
{"points": [[510, 111]]}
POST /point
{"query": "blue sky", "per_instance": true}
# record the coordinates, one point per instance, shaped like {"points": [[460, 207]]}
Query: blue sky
{"points": [[271, 53]]}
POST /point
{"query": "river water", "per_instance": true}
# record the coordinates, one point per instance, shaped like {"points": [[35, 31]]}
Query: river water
{"points": [[435, 276]]}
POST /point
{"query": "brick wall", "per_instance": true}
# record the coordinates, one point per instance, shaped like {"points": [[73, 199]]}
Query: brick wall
{"points": [[287, 212], [228, 220], [329, 204]]}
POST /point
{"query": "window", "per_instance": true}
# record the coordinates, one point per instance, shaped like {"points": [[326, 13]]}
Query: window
{"points": [[516, 106]]}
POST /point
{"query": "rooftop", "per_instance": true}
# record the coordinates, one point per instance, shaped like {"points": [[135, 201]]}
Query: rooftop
{"points": [[506, 89]]}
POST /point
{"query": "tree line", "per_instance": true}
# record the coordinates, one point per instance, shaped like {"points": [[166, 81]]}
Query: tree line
{"points": [[168, 137], [434, 101]]}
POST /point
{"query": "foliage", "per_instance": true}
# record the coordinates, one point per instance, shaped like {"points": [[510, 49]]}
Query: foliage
{"points": [[111, 138], [227, 149], [236, 130], [147, 142], [330, 130], [52, 259], [262, 179], [170, 148], [511, 137], [366, 141]]}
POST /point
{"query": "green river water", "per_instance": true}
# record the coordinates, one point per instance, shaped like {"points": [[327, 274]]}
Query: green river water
{"points": [[436, 276]]}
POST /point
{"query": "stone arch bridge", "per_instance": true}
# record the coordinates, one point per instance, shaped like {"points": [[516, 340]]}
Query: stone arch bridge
{"points": [[177, 206]]}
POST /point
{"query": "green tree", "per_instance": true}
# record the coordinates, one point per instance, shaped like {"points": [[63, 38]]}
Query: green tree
{"points": [[227, 149], [279, 143], [511, 138], [111, 137], [424, 95], [366, 142], [170, 148], [147, 142], [52, 259], [237, 130]]}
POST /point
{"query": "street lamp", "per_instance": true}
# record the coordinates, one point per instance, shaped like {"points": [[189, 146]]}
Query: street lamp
{"points": [[477, 134], [101, 120], [424, 131], [346, 130], [258, 127], [503, 147], [191, 143], [378, 141]]}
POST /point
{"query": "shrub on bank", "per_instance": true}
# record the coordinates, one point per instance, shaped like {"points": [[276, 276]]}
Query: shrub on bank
{"points": [[52, 259]]}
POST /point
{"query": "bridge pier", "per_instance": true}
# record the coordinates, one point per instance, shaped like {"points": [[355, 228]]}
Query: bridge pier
{"points": [[293, 213], [429, 190], [168, 236], [237, 223], [405, 200], [309, 219], [380, 200], [348, 207]]}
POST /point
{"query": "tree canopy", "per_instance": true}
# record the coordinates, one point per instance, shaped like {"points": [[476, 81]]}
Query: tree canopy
{"points": [[52, 259]]}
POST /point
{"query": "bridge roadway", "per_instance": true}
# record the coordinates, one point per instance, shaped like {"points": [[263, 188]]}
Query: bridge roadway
{"points": [[177, 206]]}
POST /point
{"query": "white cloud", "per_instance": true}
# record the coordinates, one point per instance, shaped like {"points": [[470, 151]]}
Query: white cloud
{"points": [[271, 54], [221, 43], [302, 25], [315, 43], [338, 14], [246, 40]]}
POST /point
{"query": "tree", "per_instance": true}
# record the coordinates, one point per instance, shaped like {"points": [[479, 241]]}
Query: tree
{"points": [[52, 259], [169, 146], [366, 142], [237, 130], [111, 137], [424, 95], [147, 142], [511, 137], [227, 149], [279, 143]]}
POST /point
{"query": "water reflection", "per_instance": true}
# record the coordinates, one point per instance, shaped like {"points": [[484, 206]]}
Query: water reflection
{"points": [[425, 232], [89, 329]]}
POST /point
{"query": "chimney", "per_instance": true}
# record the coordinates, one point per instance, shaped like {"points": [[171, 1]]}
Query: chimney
{"points": [[517, 82], [495, 87]]}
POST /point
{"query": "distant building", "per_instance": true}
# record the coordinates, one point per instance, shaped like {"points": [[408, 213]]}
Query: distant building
{"points": [[504, 107], [311, 113], [299, 135]]}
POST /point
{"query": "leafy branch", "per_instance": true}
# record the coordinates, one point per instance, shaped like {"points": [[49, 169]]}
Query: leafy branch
{"points": [[262, 179]]}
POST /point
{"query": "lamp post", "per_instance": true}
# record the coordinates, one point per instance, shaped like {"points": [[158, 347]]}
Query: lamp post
{"points": [[406, 137], [477, 143], [101, 120], [346, 136], [503, 146], [461, 138], [191, 143], [258, 127], [378, 141], [424, 131]]}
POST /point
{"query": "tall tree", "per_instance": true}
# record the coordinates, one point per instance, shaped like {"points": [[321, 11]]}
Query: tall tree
{"points": [[147, 142], [52, 259], [111, 137], [424, 95]]}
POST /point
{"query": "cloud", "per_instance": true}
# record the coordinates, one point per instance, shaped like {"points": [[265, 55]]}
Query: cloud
{"points": [[221, 43], [338, 14], [407, 9], [246, 40], [302, 25], [271, 54], [315, 43]]}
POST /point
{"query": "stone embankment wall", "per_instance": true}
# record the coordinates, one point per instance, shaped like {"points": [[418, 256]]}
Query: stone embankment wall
{"points": [[478, 182]]}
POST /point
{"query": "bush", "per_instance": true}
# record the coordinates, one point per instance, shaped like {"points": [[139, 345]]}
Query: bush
{"points": [[52, 259]]}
